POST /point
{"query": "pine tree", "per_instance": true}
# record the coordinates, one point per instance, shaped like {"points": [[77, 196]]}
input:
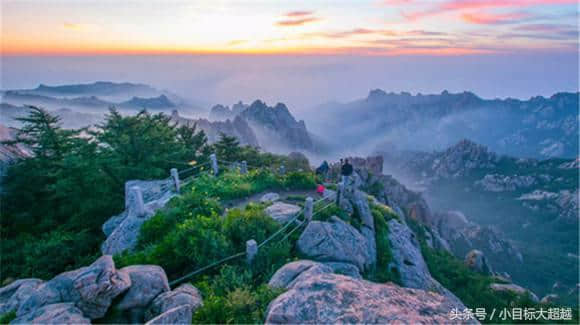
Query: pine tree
{"points": [[227, 148]]}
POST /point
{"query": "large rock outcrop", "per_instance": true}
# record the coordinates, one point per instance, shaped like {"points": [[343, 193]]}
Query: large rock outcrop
{"points": [[60, 313], [122, 230], [185, 295], [91, 289], [409, 261], [234, 127], [278, 125], [147, 282], [335, 241], [12, 295], [327, 298], [476, 261]]}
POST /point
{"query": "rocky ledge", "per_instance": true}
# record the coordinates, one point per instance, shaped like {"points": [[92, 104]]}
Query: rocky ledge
{"points": [[316, 295]]}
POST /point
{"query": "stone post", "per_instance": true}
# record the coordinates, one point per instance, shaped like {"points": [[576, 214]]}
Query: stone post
{"points": [[214, 163], [340, 194], [282, 170], [175, 176], [251, 250], [308, 209], [244, 168], [139, 203]]}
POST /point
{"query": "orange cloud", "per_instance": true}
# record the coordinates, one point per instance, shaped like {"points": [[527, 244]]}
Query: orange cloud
{"points": [[481, 18], [297, 22]]}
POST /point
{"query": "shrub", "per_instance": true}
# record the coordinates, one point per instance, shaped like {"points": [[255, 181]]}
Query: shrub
{"points": [[187, 206], [6, 318], [239, 306], [300, 181], [382, 272], [196, 242], [250, 223]]}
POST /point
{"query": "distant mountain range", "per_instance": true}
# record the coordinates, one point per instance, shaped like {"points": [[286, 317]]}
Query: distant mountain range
{"points": [[538, 127], [99, 88], [97, 97]]}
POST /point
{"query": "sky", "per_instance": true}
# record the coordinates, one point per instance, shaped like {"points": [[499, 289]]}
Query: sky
{"points": [[303, 52]]}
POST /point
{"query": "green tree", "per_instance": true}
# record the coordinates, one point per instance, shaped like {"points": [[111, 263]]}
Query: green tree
{"points": [[227, 148]]}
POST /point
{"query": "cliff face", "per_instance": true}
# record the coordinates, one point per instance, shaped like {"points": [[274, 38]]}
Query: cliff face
{"points": [[275, 127], [238, 128]]}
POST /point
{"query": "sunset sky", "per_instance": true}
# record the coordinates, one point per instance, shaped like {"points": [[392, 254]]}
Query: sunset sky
{"points": [[372, 27]]}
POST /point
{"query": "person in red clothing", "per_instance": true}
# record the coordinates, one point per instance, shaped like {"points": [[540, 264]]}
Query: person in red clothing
{"points": [[320, 189]]}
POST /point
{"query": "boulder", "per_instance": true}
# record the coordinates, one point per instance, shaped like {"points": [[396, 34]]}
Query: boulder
{"points": [[476, 261], [361, 202], [12, 295], [147, 281], [334, 241], [184, 295], [287, 275], [331, 298], [123, 230], [550, 299], [270, 197], [282, 212], [408, 260], [344, 269], [90, 288], [176, 315], [513, 288], [61, 313]]}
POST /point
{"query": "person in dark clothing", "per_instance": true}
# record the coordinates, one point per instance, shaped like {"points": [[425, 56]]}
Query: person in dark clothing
{"points": [[322, 169], [346, 169]]}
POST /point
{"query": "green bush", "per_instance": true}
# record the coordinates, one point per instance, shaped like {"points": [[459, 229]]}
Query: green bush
{"points": [[238, 304], [179, 209], [250, 223], [6, 318], [194, 243], [382, 273], [300, 181]]}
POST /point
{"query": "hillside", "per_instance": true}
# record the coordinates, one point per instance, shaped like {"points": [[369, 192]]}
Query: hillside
{"points": [[533, 203], [238, 236]]}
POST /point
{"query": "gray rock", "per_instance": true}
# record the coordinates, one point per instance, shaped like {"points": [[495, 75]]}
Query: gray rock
{"points": [[61, 313], [550, 299], [331, 298], [123, 229], [270, 197], [12, 295], [409, 261], [98, 285], [176, 315], [90, 288], [184, 295], [334, 241], [344, 269], [513, 288], [476, 261], [147, 281], [287, 275], [282, 212], [361, 203], [110, 225]]}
